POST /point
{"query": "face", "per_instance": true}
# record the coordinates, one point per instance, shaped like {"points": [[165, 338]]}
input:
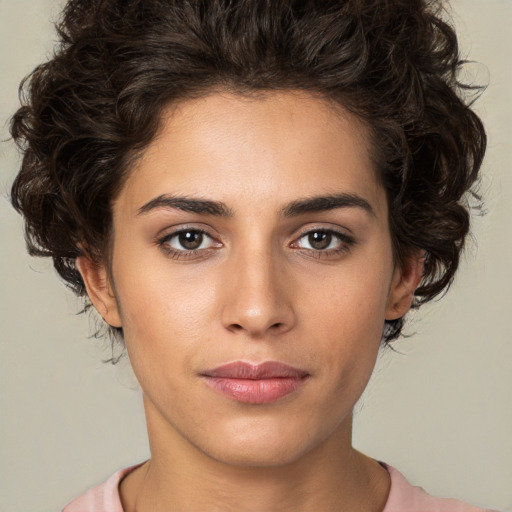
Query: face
{"points": [[252, 272]]}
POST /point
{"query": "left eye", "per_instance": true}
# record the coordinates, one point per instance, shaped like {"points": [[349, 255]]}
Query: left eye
{"points": [[189, 240], [321, 240]]}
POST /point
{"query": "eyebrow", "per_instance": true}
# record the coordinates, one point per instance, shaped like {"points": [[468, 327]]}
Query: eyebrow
{"points": [[324, 203], [187, 204], [293, 209]]}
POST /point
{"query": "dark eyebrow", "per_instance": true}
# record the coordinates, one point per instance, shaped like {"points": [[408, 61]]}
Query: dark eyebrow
{"points": [[295, 208], [323, 203], [187, 204]]}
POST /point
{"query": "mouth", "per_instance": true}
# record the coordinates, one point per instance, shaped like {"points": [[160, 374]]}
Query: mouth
{"points": [[255, 384]]}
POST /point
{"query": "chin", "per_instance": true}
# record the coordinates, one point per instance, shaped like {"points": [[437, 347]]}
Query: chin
{"points": [[259, 456], [261, 446]]}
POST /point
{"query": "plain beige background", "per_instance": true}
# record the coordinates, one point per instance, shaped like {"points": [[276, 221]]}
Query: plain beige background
{"points": [[441, 412]]}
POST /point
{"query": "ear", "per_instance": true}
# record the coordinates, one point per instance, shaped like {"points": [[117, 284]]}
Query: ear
{"points": [[405, 280], [99, 289]]}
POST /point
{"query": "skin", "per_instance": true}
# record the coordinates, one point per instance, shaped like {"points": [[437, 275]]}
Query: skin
{"points": [[255, 290]]}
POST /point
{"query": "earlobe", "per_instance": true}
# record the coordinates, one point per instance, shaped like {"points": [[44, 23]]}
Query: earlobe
{"points": [[99, 289], [403, 285]]}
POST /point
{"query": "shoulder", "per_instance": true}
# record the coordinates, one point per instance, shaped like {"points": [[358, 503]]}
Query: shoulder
{"points": [[404, 497], [101, 498]]}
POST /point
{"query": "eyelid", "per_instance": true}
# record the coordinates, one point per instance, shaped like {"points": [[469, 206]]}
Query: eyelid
{"points": [[174, 236], [163, 241], [346, 241], [176, 229], [343, 233]]}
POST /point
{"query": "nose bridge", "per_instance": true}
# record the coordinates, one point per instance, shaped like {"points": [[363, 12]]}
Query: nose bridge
{"points": [[257, 301]]}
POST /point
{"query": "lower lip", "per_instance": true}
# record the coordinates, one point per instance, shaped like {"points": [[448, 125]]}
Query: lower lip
{"points": [[260, 391]]}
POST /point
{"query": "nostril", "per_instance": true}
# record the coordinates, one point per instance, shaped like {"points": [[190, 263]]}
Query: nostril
{"points": [[274, 327]]}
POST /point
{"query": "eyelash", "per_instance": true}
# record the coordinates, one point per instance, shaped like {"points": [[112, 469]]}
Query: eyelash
{"points": [[346, 242], [177, 254]]}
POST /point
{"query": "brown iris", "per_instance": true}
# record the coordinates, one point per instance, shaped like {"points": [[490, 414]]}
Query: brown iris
{"points": [[320, 239], [190, 239]]}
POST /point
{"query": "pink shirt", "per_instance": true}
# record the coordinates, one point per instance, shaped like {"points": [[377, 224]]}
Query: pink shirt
{"points": [[403, 497]]}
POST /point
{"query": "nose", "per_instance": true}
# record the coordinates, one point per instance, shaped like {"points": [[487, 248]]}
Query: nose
{"points": [[258, 295]]}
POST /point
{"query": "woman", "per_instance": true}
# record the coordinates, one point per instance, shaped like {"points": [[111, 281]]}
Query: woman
{"points": [[252, 195]]}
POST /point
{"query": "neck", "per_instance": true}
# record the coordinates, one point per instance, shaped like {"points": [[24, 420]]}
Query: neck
{"points": [[179, 476]]}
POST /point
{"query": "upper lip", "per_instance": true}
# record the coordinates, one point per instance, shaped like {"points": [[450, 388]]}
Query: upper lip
{"points": [[266, 370]]}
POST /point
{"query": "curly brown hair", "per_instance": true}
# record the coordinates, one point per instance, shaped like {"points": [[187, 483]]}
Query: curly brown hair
{"points": [[88, 111]]}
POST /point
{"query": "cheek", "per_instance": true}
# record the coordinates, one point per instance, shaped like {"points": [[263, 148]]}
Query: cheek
{"points": [[352, 298], [167, 313], [157, 295], [349, 323]]}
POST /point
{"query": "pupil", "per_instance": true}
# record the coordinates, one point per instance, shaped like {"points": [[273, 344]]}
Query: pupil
{"points": [[190, 240], [320, 239]]}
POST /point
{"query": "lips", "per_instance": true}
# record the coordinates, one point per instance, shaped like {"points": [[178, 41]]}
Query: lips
{"points": [[255, 384]]}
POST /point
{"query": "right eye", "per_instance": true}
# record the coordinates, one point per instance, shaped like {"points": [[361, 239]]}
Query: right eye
{"points": [[324, 242], [190, 240], [186, 242]]}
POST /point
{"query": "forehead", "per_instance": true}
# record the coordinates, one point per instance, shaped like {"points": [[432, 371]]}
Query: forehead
{"points": [[270, 148]]}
